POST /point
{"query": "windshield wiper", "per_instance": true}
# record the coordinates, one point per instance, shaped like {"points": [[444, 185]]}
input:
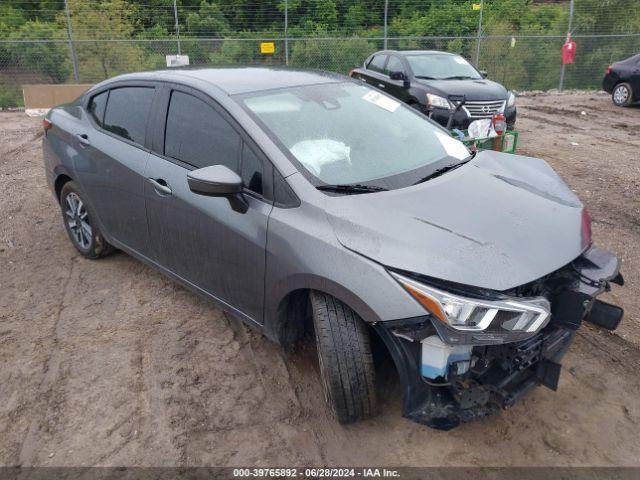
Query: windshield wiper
{"points": [[446, 168], [351, 188], [459, 77], [424, 77]]}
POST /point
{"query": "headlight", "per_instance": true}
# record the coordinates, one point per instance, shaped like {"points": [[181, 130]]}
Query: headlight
{"points": [[511, 100], [525, 315], [437, 101]]}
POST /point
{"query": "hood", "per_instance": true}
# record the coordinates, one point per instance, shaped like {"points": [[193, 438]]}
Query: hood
{"points": [[481, 89], [497, 222]]}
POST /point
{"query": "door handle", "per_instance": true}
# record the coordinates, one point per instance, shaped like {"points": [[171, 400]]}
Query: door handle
{"points": [[83, 139], [381, 85], [160, 186]]}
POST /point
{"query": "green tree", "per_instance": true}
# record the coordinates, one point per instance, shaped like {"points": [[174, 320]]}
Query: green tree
{"points": [[48, 58], [94, 24], [335, 55], [208, 21]]}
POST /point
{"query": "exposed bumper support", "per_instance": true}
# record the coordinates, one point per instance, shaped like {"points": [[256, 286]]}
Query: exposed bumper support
{"points": [[502, 374]]}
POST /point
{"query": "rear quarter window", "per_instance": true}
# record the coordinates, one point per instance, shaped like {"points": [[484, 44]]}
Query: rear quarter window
{"points": [[127, 112], [97, 106]]}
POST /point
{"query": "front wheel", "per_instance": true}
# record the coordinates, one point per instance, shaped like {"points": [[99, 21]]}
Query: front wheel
{"points": [[77, 216], [622, 95], [346, 362]]}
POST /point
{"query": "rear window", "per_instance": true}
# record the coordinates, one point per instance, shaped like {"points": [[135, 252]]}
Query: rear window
{"points": [[377, 63], [198, 135], [127, 112]]}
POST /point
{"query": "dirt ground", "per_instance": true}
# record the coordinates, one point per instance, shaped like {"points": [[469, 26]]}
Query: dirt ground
{"points": [[110, 363]]}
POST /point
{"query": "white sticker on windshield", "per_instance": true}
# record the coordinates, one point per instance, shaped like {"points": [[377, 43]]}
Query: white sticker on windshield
{"points": [[460, 60], [381, 101]]}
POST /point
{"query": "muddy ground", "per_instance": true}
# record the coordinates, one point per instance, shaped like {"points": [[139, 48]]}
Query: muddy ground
{"points": [[110, 363]]}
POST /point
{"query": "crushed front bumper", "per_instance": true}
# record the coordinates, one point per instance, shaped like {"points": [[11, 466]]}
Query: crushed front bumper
{"points": [[503, 373]]}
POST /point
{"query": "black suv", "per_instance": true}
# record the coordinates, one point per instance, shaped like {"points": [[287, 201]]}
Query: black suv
{"points": [[428, 79]]}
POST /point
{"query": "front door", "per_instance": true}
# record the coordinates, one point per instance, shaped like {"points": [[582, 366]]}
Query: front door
{"points": [[396, 88], [216, 244]]}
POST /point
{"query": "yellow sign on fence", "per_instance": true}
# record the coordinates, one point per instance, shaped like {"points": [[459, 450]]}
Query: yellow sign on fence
{"points": [[476, 6], [267, 47]]}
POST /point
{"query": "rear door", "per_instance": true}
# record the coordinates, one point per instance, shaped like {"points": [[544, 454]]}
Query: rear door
{"points": [[216, 244], [113, 158]]}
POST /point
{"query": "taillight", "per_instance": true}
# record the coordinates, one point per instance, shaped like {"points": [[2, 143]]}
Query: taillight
{"points": [[46, 125], [608, 71], [585, 230]]}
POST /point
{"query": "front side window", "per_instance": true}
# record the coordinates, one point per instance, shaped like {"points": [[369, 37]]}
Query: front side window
{"points": [[127, 112], [251, 170], [198, 135], [348, 133], [442, 67], [377, 63], [394, 65], [97, 106]]}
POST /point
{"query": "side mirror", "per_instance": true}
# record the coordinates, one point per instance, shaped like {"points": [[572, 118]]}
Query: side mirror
{"points": [[216, 180], [397, 76], [484, 73]]}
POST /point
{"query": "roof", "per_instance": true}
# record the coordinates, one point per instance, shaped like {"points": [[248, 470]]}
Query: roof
{"points": [[238, 80], [417, 52]]}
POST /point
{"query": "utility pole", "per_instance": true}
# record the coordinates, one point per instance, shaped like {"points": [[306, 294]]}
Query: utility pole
{"points": [[286, 32], [72, 49], [175, 15], [568, 32], [386, 14], [479, 38]]}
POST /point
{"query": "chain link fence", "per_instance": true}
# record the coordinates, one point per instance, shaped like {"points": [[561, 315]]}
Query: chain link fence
{"points": [[519, 61]]}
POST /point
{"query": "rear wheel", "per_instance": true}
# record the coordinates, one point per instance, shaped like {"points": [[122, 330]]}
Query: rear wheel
{"points": [[622, 95], [346, 362], [77, 216]]}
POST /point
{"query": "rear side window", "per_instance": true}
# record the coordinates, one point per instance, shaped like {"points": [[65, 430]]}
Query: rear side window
{"points": [[127, 112], [377, 63], [251, 170], [198, 135], [97, 107]]}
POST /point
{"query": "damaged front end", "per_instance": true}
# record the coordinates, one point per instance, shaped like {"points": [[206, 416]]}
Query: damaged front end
{"points": [[478, 352]]}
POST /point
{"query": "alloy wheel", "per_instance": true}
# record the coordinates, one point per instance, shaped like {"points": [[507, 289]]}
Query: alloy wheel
{"points": [[620, 95], [78, 221]]}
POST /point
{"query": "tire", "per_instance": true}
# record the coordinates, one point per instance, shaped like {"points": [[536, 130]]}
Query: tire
{"points": [[622, 95], [346, 362], [77, 215]]}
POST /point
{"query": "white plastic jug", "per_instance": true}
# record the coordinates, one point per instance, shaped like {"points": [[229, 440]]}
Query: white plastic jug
{"points": [[437, 356]]}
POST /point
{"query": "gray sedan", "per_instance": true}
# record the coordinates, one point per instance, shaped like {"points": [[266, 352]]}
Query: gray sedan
{"points": [[303, 201]]}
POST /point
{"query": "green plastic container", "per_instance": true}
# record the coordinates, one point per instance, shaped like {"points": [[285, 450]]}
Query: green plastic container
{"points": [[508, 142]]}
